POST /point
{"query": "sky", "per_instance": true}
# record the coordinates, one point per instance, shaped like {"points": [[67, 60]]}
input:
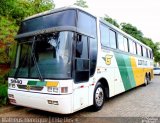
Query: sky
{"points": [[144, 14]]}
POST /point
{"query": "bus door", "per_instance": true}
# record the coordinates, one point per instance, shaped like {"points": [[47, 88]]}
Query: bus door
{"points": [[81, 71]]}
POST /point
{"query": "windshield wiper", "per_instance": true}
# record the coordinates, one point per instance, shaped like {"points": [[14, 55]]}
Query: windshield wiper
{"points": [[34, 59]]}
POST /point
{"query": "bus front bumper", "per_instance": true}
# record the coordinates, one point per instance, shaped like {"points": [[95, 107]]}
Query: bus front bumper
{"points": [[54, 103]]}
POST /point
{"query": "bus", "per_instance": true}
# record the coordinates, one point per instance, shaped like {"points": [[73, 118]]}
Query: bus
{"points": [[68, 59]]}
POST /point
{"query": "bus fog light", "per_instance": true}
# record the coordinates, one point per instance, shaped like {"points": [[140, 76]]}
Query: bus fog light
{"points": [[12, 101], [49, 89], [10, 95], [55, 90], [64, 89]]}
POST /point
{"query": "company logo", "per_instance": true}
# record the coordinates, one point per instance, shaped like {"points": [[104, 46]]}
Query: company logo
{"points": [[16, 81], [28, 87], [108, 59]]}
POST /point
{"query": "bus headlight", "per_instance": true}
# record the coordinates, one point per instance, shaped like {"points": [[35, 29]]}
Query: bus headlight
{"points": [[49, 89], [55, 90]]}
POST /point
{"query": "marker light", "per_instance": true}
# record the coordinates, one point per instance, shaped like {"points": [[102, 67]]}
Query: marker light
{"points": [[64, 89]]}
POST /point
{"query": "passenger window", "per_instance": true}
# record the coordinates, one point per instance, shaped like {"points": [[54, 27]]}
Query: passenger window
{"points": [[144, 52], [147, 53], [134, 48], [139, 52], [104, 35], [112, 39], [130, 46], [125, 44], [120, 42]]}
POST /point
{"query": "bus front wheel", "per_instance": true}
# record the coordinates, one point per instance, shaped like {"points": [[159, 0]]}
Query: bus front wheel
{"points": [[98, 99]]}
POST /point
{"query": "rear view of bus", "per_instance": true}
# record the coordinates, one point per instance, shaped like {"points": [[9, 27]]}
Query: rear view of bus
{"points": [[53, 59]]}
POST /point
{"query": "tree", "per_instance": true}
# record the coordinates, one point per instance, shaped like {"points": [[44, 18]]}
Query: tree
{"points": [[81, 3], [19, 9], [132, 30], [12, 13], [112, 21]]}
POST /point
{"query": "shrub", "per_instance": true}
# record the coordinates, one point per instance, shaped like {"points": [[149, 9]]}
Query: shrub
{"points": [[3, 94]]}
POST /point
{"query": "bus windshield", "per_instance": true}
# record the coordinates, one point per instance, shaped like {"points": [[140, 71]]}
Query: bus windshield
{"points": [[47, 56]]}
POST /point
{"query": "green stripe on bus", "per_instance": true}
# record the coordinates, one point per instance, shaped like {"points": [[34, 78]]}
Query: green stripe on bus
{"points": [[125, 69], [129, 71], [32, 83], [41, 83]]}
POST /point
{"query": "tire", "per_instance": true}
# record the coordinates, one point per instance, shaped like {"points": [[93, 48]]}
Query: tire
{"points": [[146, 80], [98, 98]]}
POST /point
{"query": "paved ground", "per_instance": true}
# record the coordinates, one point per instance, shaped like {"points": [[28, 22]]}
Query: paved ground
{"points": [[138, 102]]}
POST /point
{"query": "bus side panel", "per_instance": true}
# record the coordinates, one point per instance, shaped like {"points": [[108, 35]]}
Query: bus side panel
{"points": [[125, 70], [139, 72]]}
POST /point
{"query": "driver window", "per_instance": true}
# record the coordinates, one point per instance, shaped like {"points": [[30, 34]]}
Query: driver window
{"points": [[82, 47]]}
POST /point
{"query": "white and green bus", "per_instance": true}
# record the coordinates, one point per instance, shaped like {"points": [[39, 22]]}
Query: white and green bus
{"points": [[68, 59]]}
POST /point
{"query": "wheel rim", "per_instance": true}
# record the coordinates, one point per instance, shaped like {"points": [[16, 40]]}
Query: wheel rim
{"points": [[99, 96]]}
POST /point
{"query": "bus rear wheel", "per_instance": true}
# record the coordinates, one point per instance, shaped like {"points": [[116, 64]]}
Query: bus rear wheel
{"points": [[146, 80], [98, 99]]}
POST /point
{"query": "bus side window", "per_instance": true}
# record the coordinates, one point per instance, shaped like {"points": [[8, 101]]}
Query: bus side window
{"points": [[139, 52], [112, 37], [104, 34], [147, 53], [144, 52], [125, 40], [120, 42], [130, 46]]}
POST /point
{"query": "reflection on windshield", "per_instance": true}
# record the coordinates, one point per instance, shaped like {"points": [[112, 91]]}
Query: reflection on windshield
{"points": [[52, 54]]}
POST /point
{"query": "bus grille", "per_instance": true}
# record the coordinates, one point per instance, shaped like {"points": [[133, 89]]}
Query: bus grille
{"points": [[26, 87]]}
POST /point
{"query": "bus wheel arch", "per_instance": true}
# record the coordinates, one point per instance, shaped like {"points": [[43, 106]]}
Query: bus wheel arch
{"points": [[104, 82], [101, 92]]}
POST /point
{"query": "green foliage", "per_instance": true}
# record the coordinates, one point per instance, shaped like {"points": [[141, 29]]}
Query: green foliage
{"points": [[112, 21], [3, 94], [81, 3], [8, 29], [19, 9], [132, 30], [13, 12]]}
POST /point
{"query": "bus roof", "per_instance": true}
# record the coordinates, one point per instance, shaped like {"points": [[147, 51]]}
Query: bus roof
{"points": [[89, 12]]}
